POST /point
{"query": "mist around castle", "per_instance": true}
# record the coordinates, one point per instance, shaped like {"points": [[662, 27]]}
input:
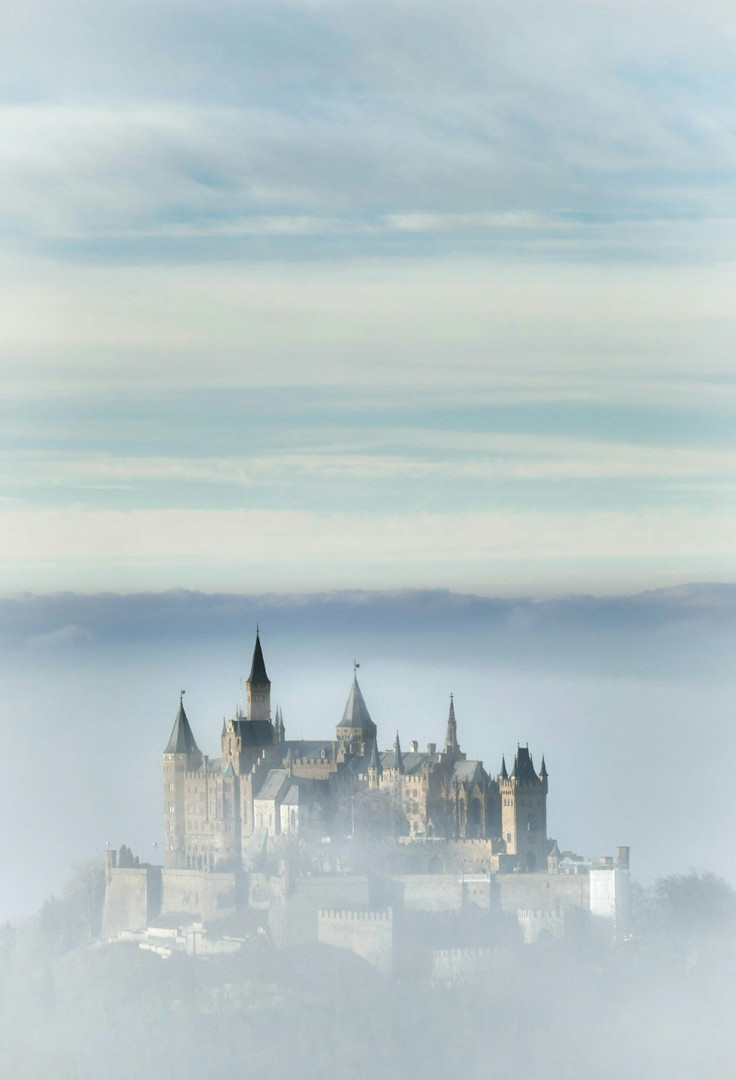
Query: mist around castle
{"points": [[359, 902]]}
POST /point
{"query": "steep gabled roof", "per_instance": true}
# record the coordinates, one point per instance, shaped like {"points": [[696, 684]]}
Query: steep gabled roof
{"points": [[181, 740], [356, 713], [258, 676]]}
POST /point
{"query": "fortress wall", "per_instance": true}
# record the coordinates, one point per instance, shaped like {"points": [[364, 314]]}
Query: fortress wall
{"points": [[199, 894], [129, 895], [369, 934], [430, 892], [539, 925], [294, 920], [452, 966], [542, 892]]}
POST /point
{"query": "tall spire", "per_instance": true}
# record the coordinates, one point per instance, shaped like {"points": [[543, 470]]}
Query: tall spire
{"points": [[398, 759], [375, 761], [258, 689], [543, 770], [258, 676], [504, 771], [451, 745]]}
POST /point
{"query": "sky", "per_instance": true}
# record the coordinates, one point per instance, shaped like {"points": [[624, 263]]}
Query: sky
{"points": [[320, 299], [316, 294]]}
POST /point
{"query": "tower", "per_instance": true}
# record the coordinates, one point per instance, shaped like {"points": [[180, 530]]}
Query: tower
{"points": [[524, 811], [181, 756]]}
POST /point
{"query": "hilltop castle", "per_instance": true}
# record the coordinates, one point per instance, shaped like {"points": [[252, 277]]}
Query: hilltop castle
{"points": [[264, 786]]}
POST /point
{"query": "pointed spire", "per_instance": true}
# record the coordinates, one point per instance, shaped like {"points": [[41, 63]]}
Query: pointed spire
{"points": [[504, 772], [543, 770], [398, 759], [224, 726], [181, 740], [451, 745], [375, 761], [258, 676]]}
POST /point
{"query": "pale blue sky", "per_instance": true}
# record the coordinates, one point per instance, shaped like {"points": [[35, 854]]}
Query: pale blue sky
{"points": [[322, 294]]}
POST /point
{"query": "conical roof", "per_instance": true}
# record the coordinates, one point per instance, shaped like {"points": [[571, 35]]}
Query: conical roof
{"points": [[356, 713], [258, 676], [398, 757], [504, 771], [375, 761], [181, 740]]}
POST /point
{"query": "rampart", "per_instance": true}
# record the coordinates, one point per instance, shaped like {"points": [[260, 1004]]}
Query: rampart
{"points": [[368, 934], [542, 892], [132, 898], [198, 894], [452, 966]]}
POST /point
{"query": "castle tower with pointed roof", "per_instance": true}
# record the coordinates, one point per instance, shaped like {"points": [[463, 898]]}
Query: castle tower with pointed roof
{"points": [[356, 732], [181, 756], [524, 811]]}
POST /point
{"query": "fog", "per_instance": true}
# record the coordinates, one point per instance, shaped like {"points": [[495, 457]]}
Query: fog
{"points": [[629, 698]]}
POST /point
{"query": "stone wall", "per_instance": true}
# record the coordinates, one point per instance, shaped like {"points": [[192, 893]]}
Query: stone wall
{"points": [[542, 892], [198, 894], [132, 898], [452, 966], [293, 915], [369, 934]]}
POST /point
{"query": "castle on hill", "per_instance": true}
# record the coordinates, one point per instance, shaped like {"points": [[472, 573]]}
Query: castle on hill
{"points": [[217, 811]]}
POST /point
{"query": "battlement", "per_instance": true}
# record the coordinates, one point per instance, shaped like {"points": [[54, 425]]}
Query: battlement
{"points": [[358, 916]]}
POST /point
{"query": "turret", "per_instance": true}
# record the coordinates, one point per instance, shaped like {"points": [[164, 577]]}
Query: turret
{"points": [[524, 811], [375, 769], [181, 756]]}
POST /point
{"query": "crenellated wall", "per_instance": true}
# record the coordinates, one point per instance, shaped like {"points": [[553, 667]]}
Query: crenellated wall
{"points": [[368, 934]]}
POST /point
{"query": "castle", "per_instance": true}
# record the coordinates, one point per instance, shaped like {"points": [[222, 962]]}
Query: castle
{"points": [[394, 854], [265, 786]]}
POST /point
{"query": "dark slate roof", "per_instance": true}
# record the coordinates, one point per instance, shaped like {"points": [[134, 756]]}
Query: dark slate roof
{"points": [[375, 762], [308, 748], [228, 770], [504, 770], [272, 785], [523, 765], [181, 740], [254, 732], [468, 772], [398, 762], [413, 761], [258, 676], [356, 713]]}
